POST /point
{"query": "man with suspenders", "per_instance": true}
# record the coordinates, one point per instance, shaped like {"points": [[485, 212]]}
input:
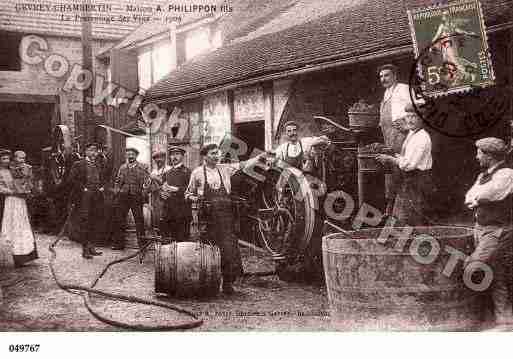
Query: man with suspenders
{"points": [[211, 182], [294, 150]]}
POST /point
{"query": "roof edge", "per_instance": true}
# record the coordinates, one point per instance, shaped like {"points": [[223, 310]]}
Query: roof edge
{"points": [[400, 50]]}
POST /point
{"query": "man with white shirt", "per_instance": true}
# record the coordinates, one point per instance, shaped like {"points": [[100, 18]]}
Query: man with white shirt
{"points": [[212, 183], [414, 164], [392, 113], [491, 199], [294, 150]]}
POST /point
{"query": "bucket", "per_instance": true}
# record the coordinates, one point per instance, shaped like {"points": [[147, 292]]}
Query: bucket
{"points": [[368, 163], [187, 269], [372, 286]]}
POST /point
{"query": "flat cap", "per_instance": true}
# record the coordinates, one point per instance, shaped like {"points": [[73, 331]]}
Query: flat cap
{"points": [[492, 145], [133, 149], [158, 153], [208, 147], [290, 123], [173, 149]]}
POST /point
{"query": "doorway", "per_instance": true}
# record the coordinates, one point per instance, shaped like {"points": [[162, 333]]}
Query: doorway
{"points": [[253, 134], [27, 127]]}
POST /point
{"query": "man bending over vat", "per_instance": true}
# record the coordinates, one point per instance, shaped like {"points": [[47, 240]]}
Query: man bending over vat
{"points": [[211, 182], [414, 164], [491, 199]]}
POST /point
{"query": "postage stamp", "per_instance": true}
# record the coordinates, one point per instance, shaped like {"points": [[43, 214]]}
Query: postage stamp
{"points": [[451, 38]]}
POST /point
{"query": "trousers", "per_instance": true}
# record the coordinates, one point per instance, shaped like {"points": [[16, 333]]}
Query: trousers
{"points": [[493, 246], [128, 202]]}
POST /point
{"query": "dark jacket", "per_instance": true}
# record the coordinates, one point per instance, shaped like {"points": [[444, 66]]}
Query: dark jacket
{"points": [[176, 206], [77, 179], [131, 180]]}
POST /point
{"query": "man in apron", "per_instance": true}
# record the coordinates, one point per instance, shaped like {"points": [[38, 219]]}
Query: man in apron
{"points": [[491, 199], [211, 182], [395, 99], [294, 150]]}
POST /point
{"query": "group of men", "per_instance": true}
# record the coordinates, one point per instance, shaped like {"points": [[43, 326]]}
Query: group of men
{"points": [[409, 187], [174, 187]]}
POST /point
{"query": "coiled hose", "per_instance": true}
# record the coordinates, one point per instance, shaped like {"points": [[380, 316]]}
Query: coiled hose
{"points": [[86, 294]]}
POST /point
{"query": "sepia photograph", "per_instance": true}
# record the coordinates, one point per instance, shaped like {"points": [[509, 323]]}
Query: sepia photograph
{"points": [[255, 166]]}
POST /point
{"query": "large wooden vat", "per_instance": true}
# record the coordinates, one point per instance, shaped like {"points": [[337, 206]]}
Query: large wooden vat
{"points": [[187, 269], [372, 286]]}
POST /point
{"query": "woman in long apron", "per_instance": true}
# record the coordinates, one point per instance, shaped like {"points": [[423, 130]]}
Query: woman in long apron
{"points": [[16, 235]]}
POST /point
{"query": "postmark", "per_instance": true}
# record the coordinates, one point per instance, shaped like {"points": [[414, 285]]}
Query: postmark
{"points": [[451, 40]]}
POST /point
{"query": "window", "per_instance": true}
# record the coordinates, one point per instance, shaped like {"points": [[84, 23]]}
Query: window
{"points": [[197, 42], [162, 59], [144, 69], [9, 51]]}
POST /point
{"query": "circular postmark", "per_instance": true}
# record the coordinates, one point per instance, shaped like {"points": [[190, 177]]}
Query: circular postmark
{"points": [[445, 93]]}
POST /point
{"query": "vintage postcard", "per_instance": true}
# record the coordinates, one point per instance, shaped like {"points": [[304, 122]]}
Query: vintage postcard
{"points": [[255, 166], [450, 42]]}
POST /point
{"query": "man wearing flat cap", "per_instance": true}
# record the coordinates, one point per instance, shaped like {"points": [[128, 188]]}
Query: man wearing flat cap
{"points": [[391, 120], [491, 200], [155, 186], [129, 189], [176, 217], [294, 151], [87, 182], [212, 183]]}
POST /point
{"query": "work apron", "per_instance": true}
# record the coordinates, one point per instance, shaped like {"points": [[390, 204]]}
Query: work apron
{"points": [[296, 161], [394, 139], [220, 228]]}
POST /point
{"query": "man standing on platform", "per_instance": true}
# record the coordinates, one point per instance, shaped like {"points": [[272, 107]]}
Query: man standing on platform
{"points": [[87, 181], [294, 151], [156, 181], [177, 215], [491, 199], [395, 100], [212, 183], [129, 188]]}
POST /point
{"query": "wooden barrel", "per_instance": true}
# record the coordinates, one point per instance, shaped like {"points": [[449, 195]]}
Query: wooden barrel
{"points": [[187, 269], [372, 286]]}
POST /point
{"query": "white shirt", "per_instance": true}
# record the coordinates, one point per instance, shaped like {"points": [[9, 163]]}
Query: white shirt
{"points": [[416, 152], [496, 189], [197, 181], [399, 94], [294, 148]]}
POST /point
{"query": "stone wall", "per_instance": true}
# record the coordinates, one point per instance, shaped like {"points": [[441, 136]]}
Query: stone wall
{"points": [[34, 80]]}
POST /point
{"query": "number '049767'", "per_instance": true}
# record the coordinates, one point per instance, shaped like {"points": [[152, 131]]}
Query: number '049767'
{"points": [[23, 348]]}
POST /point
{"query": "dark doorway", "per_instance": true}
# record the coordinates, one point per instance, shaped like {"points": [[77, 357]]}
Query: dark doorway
{"points": [[253, 134], [27, 127]]}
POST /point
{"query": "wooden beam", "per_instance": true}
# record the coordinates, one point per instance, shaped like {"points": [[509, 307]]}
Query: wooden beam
{"points": [[27, 98], [268, 114]]}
